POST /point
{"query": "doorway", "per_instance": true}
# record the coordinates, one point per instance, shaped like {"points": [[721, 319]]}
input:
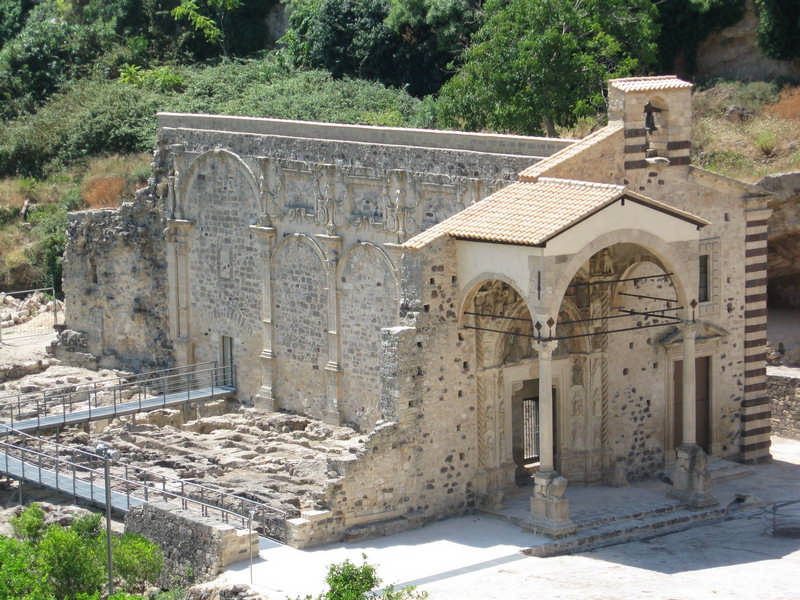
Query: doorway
{"points": [[227, 360], [525, 435], [702, 366]]}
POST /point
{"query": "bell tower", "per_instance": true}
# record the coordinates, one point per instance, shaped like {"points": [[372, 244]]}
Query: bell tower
{"points": [[657, 115]]}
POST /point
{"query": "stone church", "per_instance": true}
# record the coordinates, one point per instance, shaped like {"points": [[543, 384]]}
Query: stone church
{"points": [[489, 310]]}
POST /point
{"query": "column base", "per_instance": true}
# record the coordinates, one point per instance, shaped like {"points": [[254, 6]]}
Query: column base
{"points": [[691, 482], [263, 399], [549, 507]]}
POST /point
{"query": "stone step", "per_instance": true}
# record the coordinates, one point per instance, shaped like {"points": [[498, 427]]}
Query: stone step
{"points": [[644, 526], [620, 532], [722, 470]]}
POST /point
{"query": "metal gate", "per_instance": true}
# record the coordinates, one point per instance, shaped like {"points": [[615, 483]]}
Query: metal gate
{"points": [[530, 430]]}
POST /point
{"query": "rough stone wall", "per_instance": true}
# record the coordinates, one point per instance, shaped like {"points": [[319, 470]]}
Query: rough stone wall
{"points": [[784, 399], [195, 548], [224, 267], [300, 292], [115, 284], [725, 204], [366, 278]]}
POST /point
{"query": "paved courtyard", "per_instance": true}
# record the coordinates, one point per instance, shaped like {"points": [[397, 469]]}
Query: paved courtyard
{"points": [[479, 557]]}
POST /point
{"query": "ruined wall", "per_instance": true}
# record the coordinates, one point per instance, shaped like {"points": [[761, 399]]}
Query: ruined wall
{"points": [[115, 285], [784, 397], [195, 548]]}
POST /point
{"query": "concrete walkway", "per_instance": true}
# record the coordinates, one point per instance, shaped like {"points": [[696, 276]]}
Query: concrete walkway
{"points": [[480, 556]]}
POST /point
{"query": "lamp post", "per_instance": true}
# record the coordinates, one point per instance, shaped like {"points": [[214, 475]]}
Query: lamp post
{"points": [[107, 454], [250, 542]]}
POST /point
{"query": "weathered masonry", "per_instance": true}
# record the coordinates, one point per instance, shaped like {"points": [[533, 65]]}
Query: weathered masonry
{"points": [[487, 308]]}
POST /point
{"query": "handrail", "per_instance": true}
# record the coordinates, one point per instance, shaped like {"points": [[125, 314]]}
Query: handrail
{"points": [[226, 504], [124, 379], [137, 393]]}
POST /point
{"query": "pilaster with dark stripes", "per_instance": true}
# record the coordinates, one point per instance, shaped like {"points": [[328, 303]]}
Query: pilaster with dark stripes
{"points": [[635, 150], [755, 405]]}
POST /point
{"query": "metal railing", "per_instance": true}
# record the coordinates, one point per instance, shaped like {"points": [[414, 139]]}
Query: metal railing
{"points": [[115, 397], [27, 322], [80, 473]]}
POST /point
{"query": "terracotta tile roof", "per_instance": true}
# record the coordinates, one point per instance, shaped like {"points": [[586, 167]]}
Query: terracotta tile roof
{"points": [[647, 84], [540, 168], [530, 213]]}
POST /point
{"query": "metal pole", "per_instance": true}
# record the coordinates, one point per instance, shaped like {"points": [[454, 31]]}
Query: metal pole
{"points": [[250, 541], [108, 524]]}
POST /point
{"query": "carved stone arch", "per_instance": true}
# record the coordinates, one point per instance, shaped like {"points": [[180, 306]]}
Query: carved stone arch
{"points": [[494, 339], [369, 300], [515, 345], [301, 238], [468, 291], [573, 313], [185, 208], [393, 269], [661, 250]]}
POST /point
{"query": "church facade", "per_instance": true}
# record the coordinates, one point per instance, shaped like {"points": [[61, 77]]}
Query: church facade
{"points": [[488, 310]]}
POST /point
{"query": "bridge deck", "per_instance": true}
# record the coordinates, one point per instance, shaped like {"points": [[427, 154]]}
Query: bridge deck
{"points": [[119, 409], [67, 484]]}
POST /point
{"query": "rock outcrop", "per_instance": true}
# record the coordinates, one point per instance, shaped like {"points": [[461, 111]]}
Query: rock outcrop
{"points": [[783, 239]]}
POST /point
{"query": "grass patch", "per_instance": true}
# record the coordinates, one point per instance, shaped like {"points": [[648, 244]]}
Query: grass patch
{"points": [[750, 143]]}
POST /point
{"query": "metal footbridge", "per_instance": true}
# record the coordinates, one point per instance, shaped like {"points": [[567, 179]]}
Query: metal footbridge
{"points": [[86, 474], [107, 399]]}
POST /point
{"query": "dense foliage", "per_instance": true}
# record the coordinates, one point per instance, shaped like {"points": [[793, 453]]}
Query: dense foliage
{"points": [[56, 562], [779, 28], [540, 63]]}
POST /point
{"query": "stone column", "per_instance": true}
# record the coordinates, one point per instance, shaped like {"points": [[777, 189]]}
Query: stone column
{"points": [[549, 506], [689, 386], [691, 482], [264, 398], [545, 351]]}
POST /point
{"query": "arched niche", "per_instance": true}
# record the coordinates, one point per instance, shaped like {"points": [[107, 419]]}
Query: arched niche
{"points": [[369, 300], [300, 304]]}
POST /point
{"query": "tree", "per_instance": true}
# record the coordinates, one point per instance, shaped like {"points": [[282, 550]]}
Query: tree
{"points": [[539, 63], [440, 30], [779, 28], [352, 38], [210, 19]]}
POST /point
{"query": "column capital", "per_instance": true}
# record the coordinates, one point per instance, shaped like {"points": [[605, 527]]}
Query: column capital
{"points": [[544, 348], [689, 329]]}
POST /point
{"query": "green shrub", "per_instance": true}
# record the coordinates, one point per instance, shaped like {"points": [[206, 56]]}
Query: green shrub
{"points": [[137, 561], [91, 117], [29, 525], [45, 56], [17, 578], [70, 564], [9, 213], [347, 581]]}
